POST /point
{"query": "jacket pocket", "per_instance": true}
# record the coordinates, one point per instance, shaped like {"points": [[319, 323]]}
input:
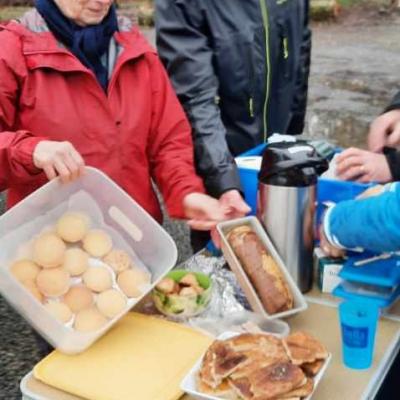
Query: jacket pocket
{"points": [[236, 70], [250, 96], [285, 49]]}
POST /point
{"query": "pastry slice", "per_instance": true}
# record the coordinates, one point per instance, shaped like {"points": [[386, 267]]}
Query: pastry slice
{"points": [[269, 382], [219, 362], [312, 369], [302, 391], [222, 391], [303, 348]]}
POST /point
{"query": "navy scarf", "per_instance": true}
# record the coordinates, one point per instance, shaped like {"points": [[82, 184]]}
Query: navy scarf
{"points": [[87, 43]]}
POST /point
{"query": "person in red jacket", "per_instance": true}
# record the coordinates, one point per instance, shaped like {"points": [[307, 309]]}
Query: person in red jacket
{"points": [[81, 86]]}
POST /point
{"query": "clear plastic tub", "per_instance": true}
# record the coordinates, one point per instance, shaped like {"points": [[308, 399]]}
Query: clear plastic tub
{"points": [[109, 207]]}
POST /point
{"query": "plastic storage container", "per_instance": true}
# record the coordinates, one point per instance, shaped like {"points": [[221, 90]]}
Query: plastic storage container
{"points": [[334, 191], [248, 289], [248, 174], [109, 207]]}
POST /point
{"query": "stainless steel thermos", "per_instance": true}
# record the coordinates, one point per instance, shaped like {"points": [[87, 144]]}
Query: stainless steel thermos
{"points": [[286, 202]]}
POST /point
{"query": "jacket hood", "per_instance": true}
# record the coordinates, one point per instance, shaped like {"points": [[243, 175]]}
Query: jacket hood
{"points": [[36, 36]]}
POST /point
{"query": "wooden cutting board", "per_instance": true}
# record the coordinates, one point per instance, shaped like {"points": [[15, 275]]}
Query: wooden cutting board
{"points": [[142, 357]]}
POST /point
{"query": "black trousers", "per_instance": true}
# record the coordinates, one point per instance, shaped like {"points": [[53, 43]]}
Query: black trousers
{"points": [[199, 240], [390, 386]]}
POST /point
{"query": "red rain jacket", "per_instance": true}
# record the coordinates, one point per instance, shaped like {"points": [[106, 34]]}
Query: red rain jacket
{"points": [[135, 133]]}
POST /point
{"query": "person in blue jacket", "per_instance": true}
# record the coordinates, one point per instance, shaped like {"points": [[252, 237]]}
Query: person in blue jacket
{"points": [[371, 223]]}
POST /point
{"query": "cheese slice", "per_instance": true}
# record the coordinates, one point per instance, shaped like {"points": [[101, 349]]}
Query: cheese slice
{"points": [[141, 358]]}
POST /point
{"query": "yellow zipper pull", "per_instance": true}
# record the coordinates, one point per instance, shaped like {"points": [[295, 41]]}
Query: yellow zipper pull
{"points": [[251, 107], [285, 48]]}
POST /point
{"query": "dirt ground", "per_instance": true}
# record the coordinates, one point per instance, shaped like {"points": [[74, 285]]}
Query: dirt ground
{"points": [[354, 74], [355, 71]]}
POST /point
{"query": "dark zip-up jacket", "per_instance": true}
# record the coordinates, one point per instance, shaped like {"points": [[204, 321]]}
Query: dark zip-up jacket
{"points": [[240, 69], [393, 155]]}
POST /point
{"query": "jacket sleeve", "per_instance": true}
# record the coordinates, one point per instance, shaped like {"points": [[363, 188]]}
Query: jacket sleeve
{"points": [[184, 48], [393, 159], [170, 147], [299, 107], [395, 103], [16, 147], [372, 223]]}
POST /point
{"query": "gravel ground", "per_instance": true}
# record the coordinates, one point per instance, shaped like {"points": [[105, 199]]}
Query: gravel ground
{"points": [[353, 77]]}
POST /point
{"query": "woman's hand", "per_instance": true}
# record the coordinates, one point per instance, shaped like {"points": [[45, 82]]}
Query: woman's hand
{"points": [[385, 131], [362, 166], [233, 200], [203, 212], [58, 159]]}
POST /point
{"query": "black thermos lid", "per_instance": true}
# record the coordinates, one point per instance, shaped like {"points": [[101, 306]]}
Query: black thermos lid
{"points": [[291, 164]]}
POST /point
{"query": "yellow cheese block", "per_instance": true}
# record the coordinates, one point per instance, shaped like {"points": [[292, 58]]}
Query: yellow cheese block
{"points": [[141, 358]]}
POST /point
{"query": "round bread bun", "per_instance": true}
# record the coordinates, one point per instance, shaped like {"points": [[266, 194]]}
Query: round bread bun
{"points": [[130, 280], [118, 260], [97, 243], [111, 302], [48, 250], [59, 311], [97, 279], [76, 261], [24, 270], [78, 298], [33, 289], [53, 282], [89, 320], [72, 226]]}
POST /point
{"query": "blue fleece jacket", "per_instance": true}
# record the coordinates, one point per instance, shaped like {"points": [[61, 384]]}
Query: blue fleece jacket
{"points": [[372, 223]]}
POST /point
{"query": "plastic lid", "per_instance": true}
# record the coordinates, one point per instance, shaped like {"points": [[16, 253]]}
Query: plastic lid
{"points": [[291, 164]]}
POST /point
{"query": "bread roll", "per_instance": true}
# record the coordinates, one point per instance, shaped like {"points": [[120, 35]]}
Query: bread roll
{"points": [[111, 302], [97, 279], [78, 298], [59, 311], [25, 270], [53, 282], [262, 270], [118, 260], [76, 261], [48, 250], [97, 243], [72, 227]]}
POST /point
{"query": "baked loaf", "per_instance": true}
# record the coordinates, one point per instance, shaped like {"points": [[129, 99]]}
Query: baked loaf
{"points": [[262, 270]]}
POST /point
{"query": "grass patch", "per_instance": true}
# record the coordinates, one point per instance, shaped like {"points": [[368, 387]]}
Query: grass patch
{"points": [[7, 13], [351, 3]]}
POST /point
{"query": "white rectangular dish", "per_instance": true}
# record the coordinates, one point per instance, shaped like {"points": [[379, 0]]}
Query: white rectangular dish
{"points": [[189, 384], [224, 228], [132, 229]]}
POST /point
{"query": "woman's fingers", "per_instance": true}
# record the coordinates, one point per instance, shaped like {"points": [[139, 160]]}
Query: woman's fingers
{"points": [[58, 158], [353, 173], [49, 171], [62, 170], [72, 166], [78, 160], [201, 225]]}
